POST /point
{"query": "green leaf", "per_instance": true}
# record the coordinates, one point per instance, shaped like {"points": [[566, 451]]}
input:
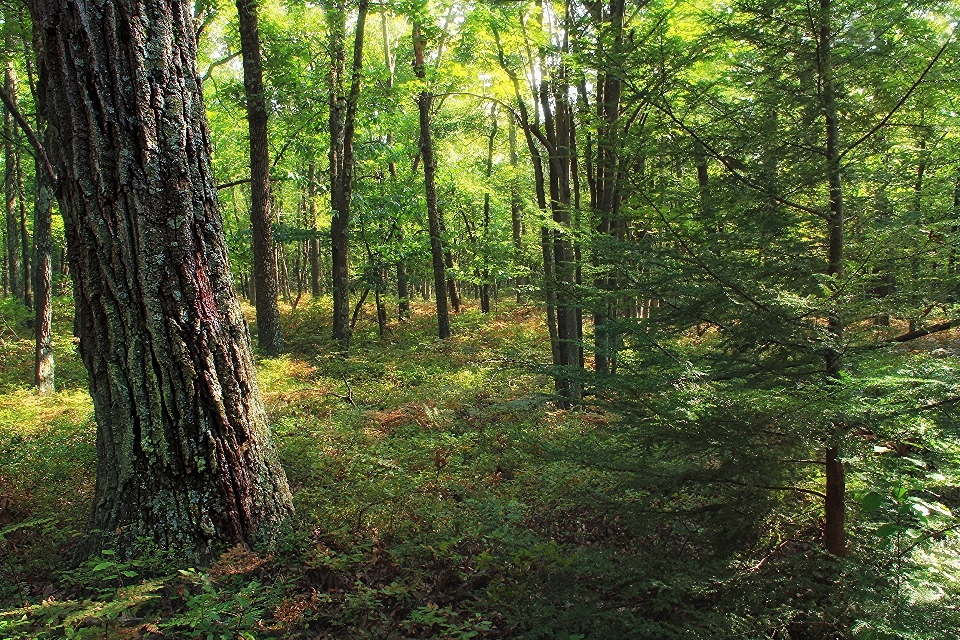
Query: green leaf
{"points": [[129, 574], [888, 530], [104, 565], [871, 501]]}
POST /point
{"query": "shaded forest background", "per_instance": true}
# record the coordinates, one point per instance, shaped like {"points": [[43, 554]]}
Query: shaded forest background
{"points": [[606, 319]]}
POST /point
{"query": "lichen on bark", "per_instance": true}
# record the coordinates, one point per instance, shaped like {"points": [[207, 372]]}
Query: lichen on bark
{"points": [[185, 457]]}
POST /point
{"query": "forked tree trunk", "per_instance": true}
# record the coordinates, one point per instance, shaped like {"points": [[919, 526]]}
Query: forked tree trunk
{"points": [[343, 112], [269, 331], [184, 450]]}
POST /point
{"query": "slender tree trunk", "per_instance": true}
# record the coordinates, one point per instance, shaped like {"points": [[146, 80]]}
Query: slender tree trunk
{"points": [[834, 534], [403, 286], [185, 457], [555, 106], [531, 134], [453, 289], [314, 241], [516, 214], [606, 175], [44, 366], [424, 102], [14, 255], [357, 308], [25, 242], [269, 331], [485, 275], [918, 219], [43, 283]]}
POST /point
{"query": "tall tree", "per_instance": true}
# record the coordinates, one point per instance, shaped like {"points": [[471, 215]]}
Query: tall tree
{"points": [[603, 170], [43, 280], [314, 239], [44, 366], [424, 104], [185, 456], [343, 115], [11, 159], [269, 331]]}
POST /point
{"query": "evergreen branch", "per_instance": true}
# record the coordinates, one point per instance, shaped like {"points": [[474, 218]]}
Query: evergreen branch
{"points": [[725, 161], [928, 536], [812, 492], [686, 247], [901, 101]]}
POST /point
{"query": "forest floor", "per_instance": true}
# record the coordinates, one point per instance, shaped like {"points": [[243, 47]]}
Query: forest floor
{"points": [[427, 504], [436, 495]]}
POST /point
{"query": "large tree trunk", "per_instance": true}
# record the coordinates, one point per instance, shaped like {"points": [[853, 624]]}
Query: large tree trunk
{"points": [[269, 331], [424, 102], [185, 456]]}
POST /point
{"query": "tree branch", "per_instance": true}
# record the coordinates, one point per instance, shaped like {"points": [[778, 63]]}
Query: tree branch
{"points": [[919, 333], [11, 106], [217, 63], [901, 101], [725, 161], [234, 183]]}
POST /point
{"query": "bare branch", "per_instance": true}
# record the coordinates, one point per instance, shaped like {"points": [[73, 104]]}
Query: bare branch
{"points": [[217, 63], [919, 333], [11, 106], [901, 101]]}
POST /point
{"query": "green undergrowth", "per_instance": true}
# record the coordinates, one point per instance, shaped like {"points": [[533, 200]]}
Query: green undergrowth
{"points": [[439, 493]]}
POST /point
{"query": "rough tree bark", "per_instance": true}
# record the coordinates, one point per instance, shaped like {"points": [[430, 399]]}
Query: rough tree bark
{"points": [[269, 331], [185, 456]]}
